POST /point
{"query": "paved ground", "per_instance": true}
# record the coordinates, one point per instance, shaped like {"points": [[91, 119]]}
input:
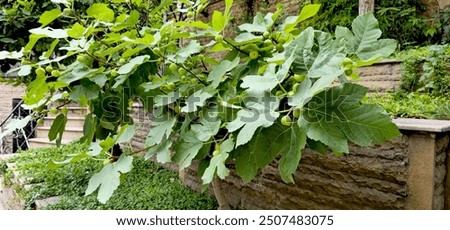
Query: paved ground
{"points": [[1, 206]]}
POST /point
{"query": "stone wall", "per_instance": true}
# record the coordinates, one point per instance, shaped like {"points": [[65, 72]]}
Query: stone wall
{"points": [[143, 125], [367, 178], [381, 77], [7, 93]]}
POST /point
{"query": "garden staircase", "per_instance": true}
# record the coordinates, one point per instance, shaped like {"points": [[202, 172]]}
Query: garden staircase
{"points": [[74, 128]]}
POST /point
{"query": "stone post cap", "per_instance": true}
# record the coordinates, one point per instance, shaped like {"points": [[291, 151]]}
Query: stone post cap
{"points": [[425, 125]]}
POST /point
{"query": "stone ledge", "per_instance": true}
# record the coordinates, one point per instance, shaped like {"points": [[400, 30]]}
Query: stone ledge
{"points": [[42, 203], [425, 125]]}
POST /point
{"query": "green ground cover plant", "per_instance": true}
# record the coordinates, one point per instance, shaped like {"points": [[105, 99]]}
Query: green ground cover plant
{"points": [[147, 185], [413, 105]]}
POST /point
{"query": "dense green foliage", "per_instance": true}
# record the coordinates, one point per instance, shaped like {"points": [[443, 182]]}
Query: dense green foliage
{"points": [[266, 93], [17, 17], [413, 105], [147, 186], [399, 19], [426, 70], [440, 26], [425, 85]]}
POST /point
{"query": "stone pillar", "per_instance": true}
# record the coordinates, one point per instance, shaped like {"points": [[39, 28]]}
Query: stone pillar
{"points": [[428, 171], [421, 172]]}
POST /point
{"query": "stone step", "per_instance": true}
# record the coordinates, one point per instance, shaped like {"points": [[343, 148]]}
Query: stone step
{"points": [[44, 142], [77, 122], [9, 200], [70, 133], [6, 156], [42, 203]]}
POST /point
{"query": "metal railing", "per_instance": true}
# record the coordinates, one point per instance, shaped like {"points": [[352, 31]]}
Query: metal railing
{"points": [[20, 138]]}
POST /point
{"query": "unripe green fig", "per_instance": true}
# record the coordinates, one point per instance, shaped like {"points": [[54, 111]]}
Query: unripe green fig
{"points": [[218, 38], [177, 109], [40, 121], [53, 111], [40, 71], [347, 61], [80, 58], [122, 61], [286, 120], [297, 113], [49, 68], [182, 71], [299, 78], [294, 87], [348, 72], [280, 48], [170, 86], [56, 73], [216, 152], [65, 110], [173, 67], [67, 11], [65, 95], [194, 80], [267, 42], [276, 35], [279, 93], [113, 73], [254, 55]]}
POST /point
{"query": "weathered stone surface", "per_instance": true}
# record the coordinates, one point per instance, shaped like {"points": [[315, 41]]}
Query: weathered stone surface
{"points": [[380, 86], [8, 198], [354, 181], [440, 171], [425, 125], [7, 93], [42, 203]]}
